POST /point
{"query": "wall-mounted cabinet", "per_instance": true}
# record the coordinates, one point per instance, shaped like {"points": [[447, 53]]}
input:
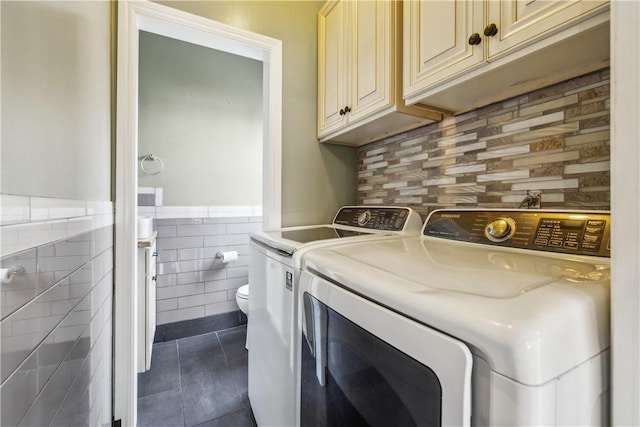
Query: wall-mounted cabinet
{"points": [[463, 54], [359, 73], [523, 21]]}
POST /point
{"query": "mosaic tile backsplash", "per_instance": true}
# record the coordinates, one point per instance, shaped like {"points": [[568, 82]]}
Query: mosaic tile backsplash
{"points": [[555, 140]]}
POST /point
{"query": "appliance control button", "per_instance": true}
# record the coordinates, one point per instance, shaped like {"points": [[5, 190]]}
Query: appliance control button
{"points": [[364, 217], [500, 229], [541, 242]]}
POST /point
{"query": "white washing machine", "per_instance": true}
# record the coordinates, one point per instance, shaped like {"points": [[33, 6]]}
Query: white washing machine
{"points": [[274, 269], [490, 318]]}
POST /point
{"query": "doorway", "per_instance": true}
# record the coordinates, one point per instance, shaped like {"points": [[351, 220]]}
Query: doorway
{"points": [[134, 17]]}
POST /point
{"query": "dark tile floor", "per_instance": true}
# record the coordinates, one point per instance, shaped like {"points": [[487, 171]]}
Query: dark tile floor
{"points": [[197, 381]]}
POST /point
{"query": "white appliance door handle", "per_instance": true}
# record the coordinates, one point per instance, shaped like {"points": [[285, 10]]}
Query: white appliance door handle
{"points": [[314, 328], [320, 343]]}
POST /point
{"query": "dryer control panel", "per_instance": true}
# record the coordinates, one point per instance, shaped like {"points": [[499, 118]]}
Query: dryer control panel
{"points": [[373, 217], [570, 232]]}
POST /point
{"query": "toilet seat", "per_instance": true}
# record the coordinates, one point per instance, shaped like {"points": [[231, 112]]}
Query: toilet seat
{"points": [[243, 292]]}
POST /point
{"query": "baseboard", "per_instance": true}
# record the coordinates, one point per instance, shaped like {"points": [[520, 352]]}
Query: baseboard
{"points": [[202, 325]]}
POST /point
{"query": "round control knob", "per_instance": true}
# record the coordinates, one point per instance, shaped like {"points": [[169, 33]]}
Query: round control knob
{"points": [[500, 229], [364, 218]]}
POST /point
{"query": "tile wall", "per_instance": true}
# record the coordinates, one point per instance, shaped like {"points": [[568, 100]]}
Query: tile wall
{"points": [[555, 140], [176, 212], [192, 283], [56, 306]]}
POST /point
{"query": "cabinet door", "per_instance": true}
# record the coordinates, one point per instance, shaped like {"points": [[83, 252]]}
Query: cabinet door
{"points": [[332, 68], [150, 302], [521, 22], [436, 41], [372, 27], [141, 323]]}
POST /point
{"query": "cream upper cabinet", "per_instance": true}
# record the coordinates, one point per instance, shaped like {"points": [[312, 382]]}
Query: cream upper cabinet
{"points": [[436, 37], [519, 22], [371, 29], [332, 70], [460, 55], [359, 72]]}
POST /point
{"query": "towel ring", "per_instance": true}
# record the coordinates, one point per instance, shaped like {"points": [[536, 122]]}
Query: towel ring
{"points": [[151, 158]]}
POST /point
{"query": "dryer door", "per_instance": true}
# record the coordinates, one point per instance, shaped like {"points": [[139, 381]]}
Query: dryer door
{"points": [[364, 365]]}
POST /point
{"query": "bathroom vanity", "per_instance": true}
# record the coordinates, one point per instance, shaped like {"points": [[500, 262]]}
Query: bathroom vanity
{"points": [[146, 282]]}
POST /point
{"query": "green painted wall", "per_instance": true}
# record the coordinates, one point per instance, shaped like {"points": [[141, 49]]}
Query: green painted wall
{"points": [[316, 178], [200, 111], [56, 137]]}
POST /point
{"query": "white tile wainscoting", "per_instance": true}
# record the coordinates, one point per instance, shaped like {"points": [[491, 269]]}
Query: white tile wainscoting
{"points": [[27, 222], [192, 282], [57, 313]]}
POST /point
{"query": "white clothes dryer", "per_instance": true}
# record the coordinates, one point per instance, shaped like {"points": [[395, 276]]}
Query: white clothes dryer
{"points": [[274, 268], [490, 318]]}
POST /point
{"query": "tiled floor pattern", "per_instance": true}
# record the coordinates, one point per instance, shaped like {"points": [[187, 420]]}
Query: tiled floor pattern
{"points": [[197, 381]]}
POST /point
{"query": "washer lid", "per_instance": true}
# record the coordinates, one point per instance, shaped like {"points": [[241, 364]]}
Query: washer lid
{"points": [[288, 240], [350, 221], [533, 315]]}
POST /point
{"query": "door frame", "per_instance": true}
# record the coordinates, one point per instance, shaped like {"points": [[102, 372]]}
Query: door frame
{"points": [[134, 16], [625, 211]]}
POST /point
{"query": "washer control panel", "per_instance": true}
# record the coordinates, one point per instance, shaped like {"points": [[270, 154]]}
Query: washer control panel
{"points": [[580, 233], [376, 218]]}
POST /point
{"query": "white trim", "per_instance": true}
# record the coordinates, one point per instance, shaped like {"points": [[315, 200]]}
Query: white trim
{"points": [[167, 212], [66, 218], [155, 18], [15, 210], [625, 207], [125, 385]]}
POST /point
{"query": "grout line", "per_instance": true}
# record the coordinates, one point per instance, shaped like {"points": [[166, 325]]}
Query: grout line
{"points": [[226, 358], [228, 367], [180, 383], [231, 328]]}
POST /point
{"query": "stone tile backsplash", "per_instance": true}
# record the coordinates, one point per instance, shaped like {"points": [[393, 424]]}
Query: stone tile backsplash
{"points": [[192, 282], [554, 139]]}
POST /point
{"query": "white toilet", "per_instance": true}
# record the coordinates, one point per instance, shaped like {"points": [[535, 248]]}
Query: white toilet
{"points": [[242, 298]]}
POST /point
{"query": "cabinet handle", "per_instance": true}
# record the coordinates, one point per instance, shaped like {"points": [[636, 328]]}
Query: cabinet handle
{"points": [[347, 109], [154, 278], [490, 30], [342, 113], [475, 39]]}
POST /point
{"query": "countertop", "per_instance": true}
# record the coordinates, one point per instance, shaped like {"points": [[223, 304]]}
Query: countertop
{"points": [[146, 243]]}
